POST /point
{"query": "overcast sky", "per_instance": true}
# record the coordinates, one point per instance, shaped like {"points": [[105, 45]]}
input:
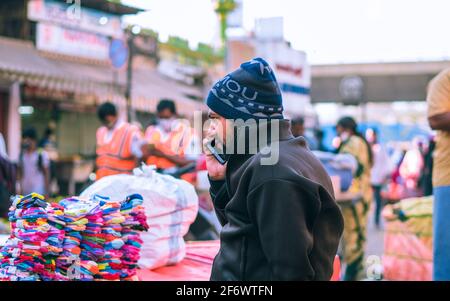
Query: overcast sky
{"points": [[330, 31]]}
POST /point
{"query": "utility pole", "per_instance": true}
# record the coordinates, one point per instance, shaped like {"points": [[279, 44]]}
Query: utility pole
{"points": [[223, 9], [135, 30], [129, 77]]}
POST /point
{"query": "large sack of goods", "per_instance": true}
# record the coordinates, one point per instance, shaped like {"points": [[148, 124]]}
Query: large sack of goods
{"points": [[408, 240], [171, 206], [343, 166]]}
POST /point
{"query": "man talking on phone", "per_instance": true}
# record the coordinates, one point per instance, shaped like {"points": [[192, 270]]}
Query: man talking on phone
{"points": [[280, 219]]}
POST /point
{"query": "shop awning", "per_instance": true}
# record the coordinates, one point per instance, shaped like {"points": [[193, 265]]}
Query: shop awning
{"points": [[89, 83]]}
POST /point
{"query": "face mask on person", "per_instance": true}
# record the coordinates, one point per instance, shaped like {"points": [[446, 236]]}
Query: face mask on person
{"points": [[26, 145], [344, 136], [109, 124], [166, 123]]}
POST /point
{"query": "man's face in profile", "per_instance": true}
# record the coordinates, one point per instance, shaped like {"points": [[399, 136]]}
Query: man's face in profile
{"points": [[217, 126]]}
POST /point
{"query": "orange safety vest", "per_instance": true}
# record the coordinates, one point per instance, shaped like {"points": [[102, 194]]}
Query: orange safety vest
{"points": [[114, 156], [173, 143], [167, 145]]}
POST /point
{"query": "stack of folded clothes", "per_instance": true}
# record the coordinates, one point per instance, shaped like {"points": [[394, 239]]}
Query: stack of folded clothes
{"points": [[75, 239]]}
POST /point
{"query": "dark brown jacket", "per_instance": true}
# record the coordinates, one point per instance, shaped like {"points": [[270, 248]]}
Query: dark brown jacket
{"points": [[280, 222]]}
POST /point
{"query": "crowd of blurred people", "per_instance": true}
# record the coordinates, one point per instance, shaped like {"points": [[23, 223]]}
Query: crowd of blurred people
{"points": [[386, 173]]}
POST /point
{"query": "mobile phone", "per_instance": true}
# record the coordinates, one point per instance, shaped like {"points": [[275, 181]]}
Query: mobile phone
{"points": [[221, 158]]}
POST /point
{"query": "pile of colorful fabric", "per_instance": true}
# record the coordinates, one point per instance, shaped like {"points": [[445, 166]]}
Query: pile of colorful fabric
{"points": [[26, 254], [110, 263], [74, 224], [82, 244], [55, 241], [408, 252], [77, 239], [135, 221]]}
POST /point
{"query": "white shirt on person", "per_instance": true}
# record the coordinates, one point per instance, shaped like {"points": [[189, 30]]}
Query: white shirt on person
{"points": [[382, 165], [3, 152], [33, 179]]}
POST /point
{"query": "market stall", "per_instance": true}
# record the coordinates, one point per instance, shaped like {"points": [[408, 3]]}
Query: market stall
{"points": [[408, 240]]}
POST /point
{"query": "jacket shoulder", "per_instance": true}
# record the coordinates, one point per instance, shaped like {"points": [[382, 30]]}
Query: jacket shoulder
{"points": [[296, 163], [283, 170]]}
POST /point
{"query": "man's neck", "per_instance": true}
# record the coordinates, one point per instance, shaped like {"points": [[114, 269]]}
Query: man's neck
{"points": [[259, 135], [116, 125]]}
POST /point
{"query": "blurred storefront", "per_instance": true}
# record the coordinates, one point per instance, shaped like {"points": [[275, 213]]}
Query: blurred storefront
{"points": [[56, 67], [64, 70]]}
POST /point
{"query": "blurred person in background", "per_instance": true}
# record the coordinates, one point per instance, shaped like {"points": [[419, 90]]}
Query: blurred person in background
{"points": [[427, 172], [48, 143], [169, 143], [438, 100], [34, 165], [320, 135], [396, 186], [3, 152], [355, 214], [411, 168], [381, 171], [119, 143], [7, 180], [298, 130]]}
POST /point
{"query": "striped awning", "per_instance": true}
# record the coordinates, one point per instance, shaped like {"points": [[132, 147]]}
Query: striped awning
{"points": [[90, 82]]}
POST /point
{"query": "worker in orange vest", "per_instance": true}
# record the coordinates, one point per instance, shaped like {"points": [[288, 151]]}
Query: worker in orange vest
{"points": [[119, 144], [169, 140]]}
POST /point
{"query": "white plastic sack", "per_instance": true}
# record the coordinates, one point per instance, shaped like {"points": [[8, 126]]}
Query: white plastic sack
{"points": [[338, 161], [161, 252], [171, 206]]}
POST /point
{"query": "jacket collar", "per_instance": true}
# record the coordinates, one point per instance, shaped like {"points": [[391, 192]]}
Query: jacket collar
{"points": [[277, 130], [285, 130]]}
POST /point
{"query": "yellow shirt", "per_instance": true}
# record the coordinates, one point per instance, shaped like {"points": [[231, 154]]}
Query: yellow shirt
{"points": [[438, 100], [356, 147]]}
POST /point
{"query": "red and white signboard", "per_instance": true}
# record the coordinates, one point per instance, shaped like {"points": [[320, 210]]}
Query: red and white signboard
{"points": [[57, 39], [73, 15], [293, 74]]}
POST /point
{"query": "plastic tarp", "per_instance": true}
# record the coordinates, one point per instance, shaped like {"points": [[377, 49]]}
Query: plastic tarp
{"points": [[197, 264], [342, 165], [408, 243]]}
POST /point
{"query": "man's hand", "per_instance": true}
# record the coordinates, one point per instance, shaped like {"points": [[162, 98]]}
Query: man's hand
{"points": [[440, 122], [216, 171], [157, 153], [151, 150]]}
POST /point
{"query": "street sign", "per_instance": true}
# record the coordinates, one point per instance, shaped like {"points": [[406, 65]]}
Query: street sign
{"points": [[118, 53]]}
